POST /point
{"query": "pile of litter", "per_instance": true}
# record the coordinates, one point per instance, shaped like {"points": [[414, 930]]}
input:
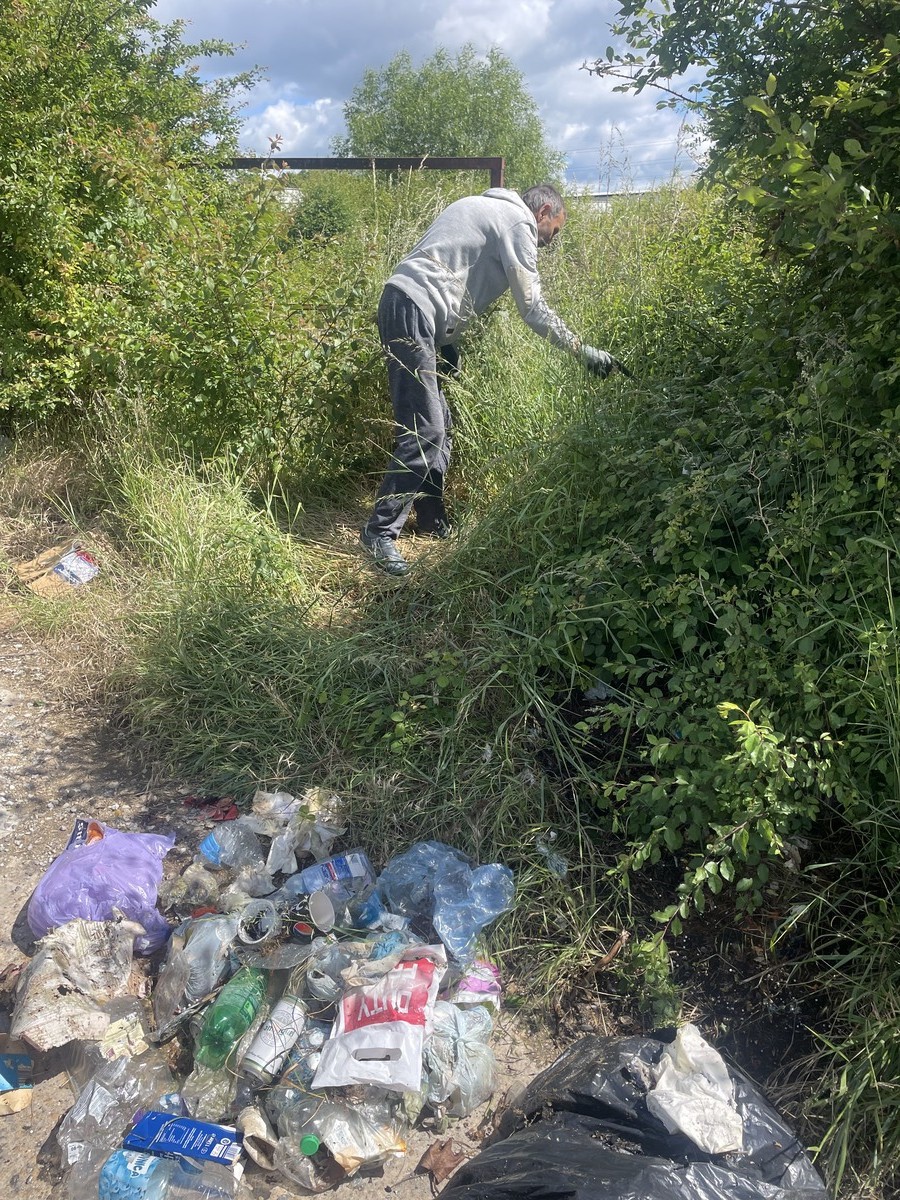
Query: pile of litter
{"points": [[301, 1018], [306, 1018]]}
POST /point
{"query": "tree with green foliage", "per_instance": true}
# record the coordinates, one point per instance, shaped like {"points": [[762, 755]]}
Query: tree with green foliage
{"points": [[462, 105], [802, 102], [102, 112]]}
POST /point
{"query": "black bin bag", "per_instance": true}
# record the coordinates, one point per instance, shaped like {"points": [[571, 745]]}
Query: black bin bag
{"points": [[582, 1131]]}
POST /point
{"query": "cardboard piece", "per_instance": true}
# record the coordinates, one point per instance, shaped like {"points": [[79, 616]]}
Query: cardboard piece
{"points": [[165, 1135], [58, 570]]}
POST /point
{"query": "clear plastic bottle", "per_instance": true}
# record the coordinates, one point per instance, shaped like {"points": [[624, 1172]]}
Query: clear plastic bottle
{"points": [[555, 862], [130, 1175], [352, 868], [231, 1015], [232, 844], [300, 1153]]}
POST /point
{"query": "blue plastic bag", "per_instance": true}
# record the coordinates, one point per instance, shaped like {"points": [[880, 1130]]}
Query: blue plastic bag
{"points": [[100, 870], [435, 883]]}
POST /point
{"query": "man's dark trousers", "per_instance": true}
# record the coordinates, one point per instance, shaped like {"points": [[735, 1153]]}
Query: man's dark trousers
{"points": [[422, 429]]}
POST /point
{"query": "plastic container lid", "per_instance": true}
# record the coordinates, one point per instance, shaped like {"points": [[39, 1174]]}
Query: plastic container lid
{"points": [[309, 1144]]}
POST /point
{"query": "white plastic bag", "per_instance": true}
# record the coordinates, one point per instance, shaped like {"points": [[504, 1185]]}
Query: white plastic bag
{"points": [[693, 1094], [380, 1031]]}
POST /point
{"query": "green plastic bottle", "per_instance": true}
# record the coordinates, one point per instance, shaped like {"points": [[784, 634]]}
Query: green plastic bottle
{"points": [[231, 1015]]}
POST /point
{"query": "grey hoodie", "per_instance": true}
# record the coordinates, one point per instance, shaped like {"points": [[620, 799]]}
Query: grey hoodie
{"points": [[476, 249]]}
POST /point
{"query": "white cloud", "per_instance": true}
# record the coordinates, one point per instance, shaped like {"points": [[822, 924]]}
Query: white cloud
{"points": [[513, 25], [304, 129], [314, 55]]}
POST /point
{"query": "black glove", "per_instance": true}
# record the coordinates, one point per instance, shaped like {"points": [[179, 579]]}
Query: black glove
{"points": [[598, 362], [449, 359]]}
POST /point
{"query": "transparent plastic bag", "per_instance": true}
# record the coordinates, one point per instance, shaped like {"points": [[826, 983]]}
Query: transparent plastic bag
{"points": [[198, 960], [126, 1036], [194, 887], [95, 1124], [435, 885], [459, 1064]]}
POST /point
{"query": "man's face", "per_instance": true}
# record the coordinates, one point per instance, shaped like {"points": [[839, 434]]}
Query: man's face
{"points": [[548, 227]]}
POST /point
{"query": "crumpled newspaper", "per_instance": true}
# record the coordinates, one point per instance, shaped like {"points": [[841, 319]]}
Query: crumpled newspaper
{"points": [[76, 968]]}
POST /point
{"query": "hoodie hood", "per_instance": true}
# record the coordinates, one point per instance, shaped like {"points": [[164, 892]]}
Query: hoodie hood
{"points": [[512, 197]]}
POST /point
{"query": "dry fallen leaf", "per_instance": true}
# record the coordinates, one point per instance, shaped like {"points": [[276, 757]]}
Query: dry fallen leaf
{"points": [[440, 1160], [9, 978]]}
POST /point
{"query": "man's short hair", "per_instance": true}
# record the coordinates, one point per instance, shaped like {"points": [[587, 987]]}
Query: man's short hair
{"points": [[544, 193]]}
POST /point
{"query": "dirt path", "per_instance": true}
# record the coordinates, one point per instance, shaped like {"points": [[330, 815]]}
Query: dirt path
{"points": [[57, 762]]}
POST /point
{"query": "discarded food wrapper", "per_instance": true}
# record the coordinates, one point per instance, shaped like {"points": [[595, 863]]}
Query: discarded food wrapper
{"points": [[380, 1031], [16, 1067], [125, 1036], [57, 570], [103, 870], [693, 1094], [260, 1139], [75, 969], [77, 567], [479, 985]]}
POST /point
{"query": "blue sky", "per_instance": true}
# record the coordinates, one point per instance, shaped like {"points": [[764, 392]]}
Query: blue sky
{"points": [[315, 54]]}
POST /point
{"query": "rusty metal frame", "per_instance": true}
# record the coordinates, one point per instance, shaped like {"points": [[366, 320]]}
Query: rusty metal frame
{"points": [[495, 165]]}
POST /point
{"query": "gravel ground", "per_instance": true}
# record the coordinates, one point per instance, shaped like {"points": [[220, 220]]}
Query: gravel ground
{"points": [[58, 761]]}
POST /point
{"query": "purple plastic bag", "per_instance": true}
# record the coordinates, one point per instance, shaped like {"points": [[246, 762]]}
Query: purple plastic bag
{"points": [[103, 869]]}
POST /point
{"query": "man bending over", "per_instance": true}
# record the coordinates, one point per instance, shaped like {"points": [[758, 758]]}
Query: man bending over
{"points": [[476, 249]]}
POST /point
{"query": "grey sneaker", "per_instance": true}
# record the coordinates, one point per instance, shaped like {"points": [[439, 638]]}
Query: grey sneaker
{"points": [[384, 553]]}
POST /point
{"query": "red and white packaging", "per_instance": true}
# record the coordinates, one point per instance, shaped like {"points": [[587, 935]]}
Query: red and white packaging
{"points": [[380, 1030]]}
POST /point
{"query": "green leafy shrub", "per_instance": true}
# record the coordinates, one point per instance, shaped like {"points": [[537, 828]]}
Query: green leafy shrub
{"points": [[320, 210]]}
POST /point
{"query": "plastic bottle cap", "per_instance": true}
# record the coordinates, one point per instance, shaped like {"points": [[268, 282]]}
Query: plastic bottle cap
{"points": [[309, 1144]]}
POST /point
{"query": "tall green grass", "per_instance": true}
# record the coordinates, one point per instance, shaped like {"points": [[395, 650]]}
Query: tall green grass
{"points": [[707, 534]]}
